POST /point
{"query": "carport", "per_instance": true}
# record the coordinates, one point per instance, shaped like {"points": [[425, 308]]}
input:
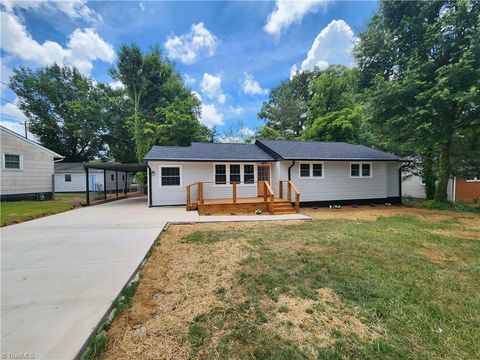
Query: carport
{"points": [[114, 168]]}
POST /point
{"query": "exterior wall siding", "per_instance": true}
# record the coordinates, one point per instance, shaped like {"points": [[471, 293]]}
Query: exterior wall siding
{"points": [[192, 172], [78, 181], [37, 171], [336, 183], [468, 191]]}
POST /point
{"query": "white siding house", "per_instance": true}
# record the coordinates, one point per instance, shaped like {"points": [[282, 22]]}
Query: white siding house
{"points": [[71, 178], [323, 173], [27, 168]]}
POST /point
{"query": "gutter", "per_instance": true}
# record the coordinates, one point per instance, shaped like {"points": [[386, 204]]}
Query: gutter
{"points": [[289, 170]]}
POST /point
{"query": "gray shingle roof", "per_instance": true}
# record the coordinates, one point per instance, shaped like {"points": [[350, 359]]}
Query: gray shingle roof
{"points": [[61, 167], [315, 150], [209, 152]]}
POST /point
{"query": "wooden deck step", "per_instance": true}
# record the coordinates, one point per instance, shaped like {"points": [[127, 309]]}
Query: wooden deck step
{"points": [[283, 207]]}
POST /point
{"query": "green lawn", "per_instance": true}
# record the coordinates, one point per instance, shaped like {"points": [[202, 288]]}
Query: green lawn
{"points": [[393, 288], [13, 212]]}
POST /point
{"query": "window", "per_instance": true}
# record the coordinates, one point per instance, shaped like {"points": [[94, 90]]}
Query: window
{"points": [[473, 179], [12, 162], [360, 169], [422, 181], [68, 177], [234, 173], [220, 174], [249, 174], [170, 176], [123, 177], [304, 170], [112, 177], [317, 170]]}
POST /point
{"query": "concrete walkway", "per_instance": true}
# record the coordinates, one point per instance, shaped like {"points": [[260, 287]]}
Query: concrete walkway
{"points": [[60, 273]]}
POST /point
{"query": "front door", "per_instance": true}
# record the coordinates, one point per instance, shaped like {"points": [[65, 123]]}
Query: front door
{"points": [[263, 174]]}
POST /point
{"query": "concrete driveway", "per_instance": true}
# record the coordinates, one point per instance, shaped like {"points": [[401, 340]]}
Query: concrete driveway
{"points": [[61, 273]]}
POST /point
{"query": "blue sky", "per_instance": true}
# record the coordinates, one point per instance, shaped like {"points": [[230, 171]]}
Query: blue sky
{"points": [[230, 53]]}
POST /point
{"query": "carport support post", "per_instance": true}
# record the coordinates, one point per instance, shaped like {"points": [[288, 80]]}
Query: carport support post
{"points": [[105, 184], [86, 187], [116, 182]]}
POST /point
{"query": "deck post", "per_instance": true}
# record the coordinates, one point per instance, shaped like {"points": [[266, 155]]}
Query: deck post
{"points": [[200, 192], [234, 192], [280, 189], [289, 191], [297, 202], [272, 198], [264, 191], [188, 197]]}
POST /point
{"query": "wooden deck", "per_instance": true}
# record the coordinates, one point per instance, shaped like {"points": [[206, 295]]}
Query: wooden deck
{"points": [[266, 202]]}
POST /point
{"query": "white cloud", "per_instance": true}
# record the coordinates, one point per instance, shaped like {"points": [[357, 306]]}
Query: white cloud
{"points": [[288, 12], [237, 110], [189, 47], [332, 46], [251, 86], [74, 9], [5, 73], [116, 85], [142, 6], [246, 132], [210, 116], [211, 86], [84, 46], [293, 70], [12, 111], [189, 80], [239, 138]]}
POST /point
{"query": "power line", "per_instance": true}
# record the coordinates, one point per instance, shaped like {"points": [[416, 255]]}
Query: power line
{"points": [[7, 101]]}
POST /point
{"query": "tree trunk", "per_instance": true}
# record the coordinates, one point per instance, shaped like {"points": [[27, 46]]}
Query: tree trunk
{"points": [[428, 174], [444, 171]]}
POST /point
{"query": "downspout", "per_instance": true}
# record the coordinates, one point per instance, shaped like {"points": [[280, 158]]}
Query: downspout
{"points": [[289, 170], [149, 185]]}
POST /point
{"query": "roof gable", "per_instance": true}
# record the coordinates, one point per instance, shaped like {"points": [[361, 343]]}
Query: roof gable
{"points": [[33, 143]]}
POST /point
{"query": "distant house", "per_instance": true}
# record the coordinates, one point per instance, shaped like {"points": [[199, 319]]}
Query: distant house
{"points": [[459, 188], [277, 172], [71, 178], [27, 168]]}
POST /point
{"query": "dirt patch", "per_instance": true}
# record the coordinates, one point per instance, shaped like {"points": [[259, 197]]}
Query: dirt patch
{"points": [[474, 235], [374, 212], [312, 323], [179, 281], [434, 256]]}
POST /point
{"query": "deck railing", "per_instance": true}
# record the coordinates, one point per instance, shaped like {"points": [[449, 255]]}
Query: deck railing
{"points": [[193, 201], [290, 187]]}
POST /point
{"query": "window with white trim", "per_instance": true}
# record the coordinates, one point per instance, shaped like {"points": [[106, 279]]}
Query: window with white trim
{"points": [[235, 175], [304, 170], [220, 174], [170, 175], [473, 179], [248, 173], [68, 177], [311, 170], [112, 177], [361, 169], [12, 162]]}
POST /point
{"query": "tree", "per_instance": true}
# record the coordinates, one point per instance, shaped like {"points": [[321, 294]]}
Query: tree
{"points": [[266, 132], [118, 137], [286, 109], [341, 125], [419, 62], [165, 110], [64, 110]]}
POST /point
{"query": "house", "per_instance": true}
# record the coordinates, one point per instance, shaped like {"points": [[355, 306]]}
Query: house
{"points": [[459, 188], [70, 177], [270, 175], [27, 168]]}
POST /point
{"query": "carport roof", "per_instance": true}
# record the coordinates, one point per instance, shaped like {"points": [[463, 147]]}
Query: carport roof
{"points": [[127, 167]]}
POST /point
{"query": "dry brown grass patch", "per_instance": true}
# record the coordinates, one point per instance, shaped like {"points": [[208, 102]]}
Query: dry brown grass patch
{"points": [[475, 235], [312, 323]]}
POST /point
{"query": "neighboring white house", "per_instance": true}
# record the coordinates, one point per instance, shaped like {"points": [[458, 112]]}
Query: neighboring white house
{"points": [[323, 172], [27, 168], [70, 178]]}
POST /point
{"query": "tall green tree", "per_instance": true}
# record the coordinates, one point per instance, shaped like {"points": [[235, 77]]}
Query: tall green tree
{"points": [[286, 109], [420, 62], [163, 106], [64, 110]]}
